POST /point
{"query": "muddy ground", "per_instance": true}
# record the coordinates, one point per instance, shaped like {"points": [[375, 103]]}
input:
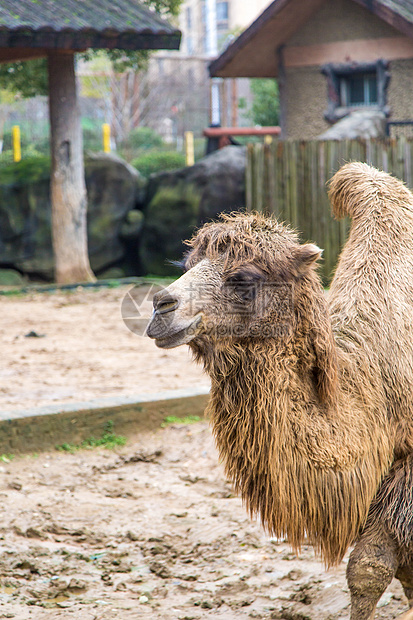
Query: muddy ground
{"points": [[146, 531], [151, 530]]}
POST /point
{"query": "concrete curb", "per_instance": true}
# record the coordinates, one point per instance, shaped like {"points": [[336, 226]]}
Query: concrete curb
{"points": [[42, 428]]}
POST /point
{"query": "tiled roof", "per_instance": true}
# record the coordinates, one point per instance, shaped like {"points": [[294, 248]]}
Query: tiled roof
{"points": [[81, 24], [404, 8], [398, 13]]}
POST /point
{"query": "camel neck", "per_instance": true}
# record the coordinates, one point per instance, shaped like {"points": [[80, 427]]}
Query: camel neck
{"points": [[283, 449]]}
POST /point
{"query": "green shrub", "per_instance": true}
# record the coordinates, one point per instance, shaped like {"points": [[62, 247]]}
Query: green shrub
{"points": [[8, 138], [144, 138], [200, 145], [92, 139], [30, 141], [32, 167], [10, 277], [43, 145], [158, 161]]}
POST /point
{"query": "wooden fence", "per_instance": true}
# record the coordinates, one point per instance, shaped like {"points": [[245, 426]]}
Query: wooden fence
{"points": [[289, 179]]}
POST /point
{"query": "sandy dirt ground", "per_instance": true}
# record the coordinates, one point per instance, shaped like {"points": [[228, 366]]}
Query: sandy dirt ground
{"points": [[148, 531], [83, 350], [151, 531]]}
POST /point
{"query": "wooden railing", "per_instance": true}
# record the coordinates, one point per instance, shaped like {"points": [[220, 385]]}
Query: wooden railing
{"points": [[218, 137], [289, 179]]}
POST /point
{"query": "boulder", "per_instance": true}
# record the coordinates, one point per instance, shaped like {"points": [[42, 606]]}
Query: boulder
{"points": [[114, 188], [170, 217], [25, 232], [179, 200], [358, 124]]}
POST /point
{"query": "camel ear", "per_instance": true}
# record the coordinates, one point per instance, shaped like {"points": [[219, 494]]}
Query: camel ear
{"points": [[304, 257]]}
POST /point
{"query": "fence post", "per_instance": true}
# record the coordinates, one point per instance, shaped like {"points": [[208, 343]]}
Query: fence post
{"points": [[249, 178], [106, 137], [189, 148], [17, 152]]}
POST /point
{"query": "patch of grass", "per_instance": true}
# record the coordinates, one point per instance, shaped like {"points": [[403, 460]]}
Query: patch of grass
{"points": [[6, 458], [108, 440], [173, 419], [15, 292]]}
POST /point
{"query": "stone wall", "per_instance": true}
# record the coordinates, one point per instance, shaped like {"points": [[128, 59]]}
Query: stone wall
{"points": [[306, 101], [306, 97], [400, 93]]}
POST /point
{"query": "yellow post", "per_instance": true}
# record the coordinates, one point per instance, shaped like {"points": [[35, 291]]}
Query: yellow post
{"points": [[267, 139], [106, 137], [189, 148], [17, 151]]}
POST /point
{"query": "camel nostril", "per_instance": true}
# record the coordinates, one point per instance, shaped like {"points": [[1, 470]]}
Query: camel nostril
{"points": [[164, 303]]}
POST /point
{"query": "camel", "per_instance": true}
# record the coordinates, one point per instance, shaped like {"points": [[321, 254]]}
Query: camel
{"points": [[312, 395]]}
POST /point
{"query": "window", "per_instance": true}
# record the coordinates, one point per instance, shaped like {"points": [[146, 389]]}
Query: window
{"points": [[358, 89], [222, 11], [355, 86], [188, 17], [222, 19]]}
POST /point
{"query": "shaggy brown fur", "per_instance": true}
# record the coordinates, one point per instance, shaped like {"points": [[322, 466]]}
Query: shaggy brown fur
{"points": [[308, 423], [312, 399], [371, 297]]}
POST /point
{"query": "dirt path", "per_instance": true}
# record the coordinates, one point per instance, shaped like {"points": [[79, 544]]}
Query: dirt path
{"points": [[84, 350], [151, 531]]}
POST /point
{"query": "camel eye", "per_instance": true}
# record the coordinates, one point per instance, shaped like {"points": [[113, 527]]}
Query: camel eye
{"points": [[243, 286], [181, 264]]}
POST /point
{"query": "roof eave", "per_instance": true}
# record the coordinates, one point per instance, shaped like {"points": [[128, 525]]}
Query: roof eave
{"points": [[234, 60], [217, 66], [80, 40], [388, 15]]}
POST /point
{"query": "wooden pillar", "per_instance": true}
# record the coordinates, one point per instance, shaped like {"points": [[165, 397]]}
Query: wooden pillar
{"points": [[68, 188], [224, 103], [234, 103], [282, 91]]}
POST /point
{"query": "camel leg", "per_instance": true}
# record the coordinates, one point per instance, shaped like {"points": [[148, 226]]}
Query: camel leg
{"points": [[405, 575], [372, 565]]}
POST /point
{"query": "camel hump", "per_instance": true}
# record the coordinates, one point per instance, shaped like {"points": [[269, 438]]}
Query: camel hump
{"points": [[358, 189]]}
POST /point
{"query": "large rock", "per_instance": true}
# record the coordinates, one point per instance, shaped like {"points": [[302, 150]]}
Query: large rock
{"points": [[358, 124], [170, 217], [113, 187], [179, 200]]}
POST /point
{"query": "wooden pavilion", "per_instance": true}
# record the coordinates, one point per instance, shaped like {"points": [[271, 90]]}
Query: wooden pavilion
{"points": [[58, 30]]}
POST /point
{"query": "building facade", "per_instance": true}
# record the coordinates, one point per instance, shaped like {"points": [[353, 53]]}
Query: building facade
{"points": [[369, 75], [225, 18], [330, 57], [207, 27]]}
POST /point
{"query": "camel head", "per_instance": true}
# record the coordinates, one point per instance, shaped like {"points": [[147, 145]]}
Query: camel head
{"points": [[240, 280]]}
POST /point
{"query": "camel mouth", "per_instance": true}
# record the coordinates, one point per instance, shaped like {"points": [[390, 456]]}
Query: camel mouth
{"points": [[175, 338]]}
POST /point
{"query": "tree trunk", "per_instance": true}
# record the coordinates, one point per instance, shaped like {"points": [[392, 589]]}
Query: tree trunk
{"points": [[68, 188]]}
